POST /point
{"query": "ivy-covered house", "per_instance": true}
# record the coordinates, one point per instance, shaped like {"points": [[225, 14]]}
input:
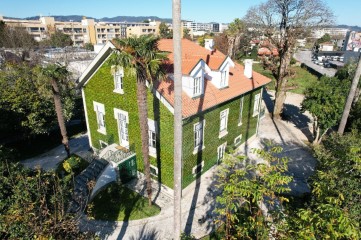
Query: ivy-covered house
{"points": [[221, 107]]}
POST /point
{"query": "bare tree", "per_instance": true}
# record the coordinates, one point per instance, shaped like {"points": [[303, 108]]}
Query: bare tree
{"points": [[350, 98], [282, 22], [177, 46]]}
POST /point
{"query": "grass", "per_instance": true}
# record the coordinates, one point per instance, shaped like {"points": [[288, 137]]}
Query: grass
{"points": [[302, 80], [118, 203]]}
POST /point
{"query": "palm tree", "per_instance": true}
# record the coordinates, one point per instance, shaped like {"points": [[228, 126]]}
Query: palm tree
{"points": [[142, 58], [350, 98], [177, 46], [58, 73]]}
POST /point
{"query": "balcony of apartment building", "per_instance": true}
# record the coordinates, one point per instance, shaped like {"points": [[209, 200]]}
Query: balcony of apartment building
{"points": [[34, 29], [78, 30]]}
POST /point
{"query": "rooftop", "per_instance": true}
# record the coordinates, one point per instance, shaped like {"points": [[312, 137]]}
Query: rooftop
{"points": [[192, 53]]}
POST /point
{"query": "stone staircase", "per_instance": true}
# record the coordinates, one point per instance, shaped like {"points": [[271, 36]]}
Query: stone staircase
{"points": [[85, 181]]}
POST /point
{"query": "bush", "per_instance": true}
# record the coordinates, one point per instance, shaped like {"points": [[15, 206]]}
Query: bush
{"points": [[73, 165]]}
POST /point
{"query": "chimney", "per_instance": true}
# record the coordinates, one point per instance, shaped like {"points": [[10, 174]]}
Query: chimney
{"points": [[248, 68], [209, 44]]}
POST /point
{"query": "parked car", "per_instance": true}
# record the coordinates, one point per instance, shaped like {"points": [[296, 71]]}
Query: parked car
{"points": [[341, 59], [327, 65]]}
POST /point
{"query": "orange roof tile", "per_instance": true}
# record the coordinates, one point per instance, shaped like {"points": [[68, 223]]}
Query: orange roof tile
{"points": [[191, 54]]}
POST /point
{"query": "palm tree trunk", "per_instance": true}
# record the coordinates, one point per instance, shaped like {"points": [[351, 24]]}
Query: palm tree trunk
{"points": [[351, 95], [143, 123], [177, 45], [59, 114]]}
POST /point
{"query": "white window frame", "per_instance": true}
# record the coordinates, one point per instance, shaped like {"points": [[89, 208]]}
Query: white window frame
{"points": [[256, 105], [103, 143], [152, 129], [156, 170], [240, 111], [118, 81], [223, 116], [100, 116], [223, 82], [197, 86], [238, 140], [194, 169], [200, 134], [221, 150], [123, 127]]}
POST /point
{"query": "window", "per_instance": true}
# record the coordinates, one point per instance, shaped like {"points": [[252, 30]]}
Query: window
{"points": [[197, 87], [152, 137], [103, 144], [220, 152], [240, 112], [153, 171], [100, 114], [223, 79], [118, 81], [198, 136], [123, 121], [257, 98], [238, 140], [223, 123], [198, 169]]}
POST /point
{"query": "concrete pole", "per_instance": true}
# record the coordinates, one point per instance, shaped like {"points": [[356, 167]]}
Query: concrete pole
{"points": [[177, 51]]}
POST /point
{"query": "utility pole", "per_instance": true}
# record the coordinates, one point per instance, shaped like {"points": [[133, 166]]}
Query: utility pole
{"points": [[351, 96], [177, 51]]}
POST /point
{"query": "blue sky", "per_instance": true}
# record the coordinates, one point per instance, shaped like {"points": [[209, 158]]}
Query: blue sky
{"points": [[347, 11]]}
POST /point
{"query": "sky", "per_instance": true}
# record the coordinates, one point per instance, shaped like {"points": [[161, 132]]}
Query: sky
{"points": [[225, 11]]}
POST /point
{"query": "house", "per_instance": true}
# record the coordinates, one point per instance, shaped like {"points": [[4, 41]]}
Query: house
{"points": [[221, 108]]}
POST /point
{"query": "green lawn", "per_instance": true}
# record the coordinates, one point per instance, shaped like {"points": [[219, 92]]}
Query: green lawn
{"points": [[118, 203], [301, 81]]}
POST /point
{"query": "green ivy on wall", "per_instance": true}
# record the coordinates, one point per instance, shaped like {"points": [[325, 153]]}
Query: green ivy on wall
{"points": [[100, 89], [211, 133]]}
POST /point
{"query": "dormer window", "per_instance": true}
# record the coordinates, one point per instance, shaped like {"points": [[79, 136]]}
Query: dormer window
{"points": [[197, 86]]}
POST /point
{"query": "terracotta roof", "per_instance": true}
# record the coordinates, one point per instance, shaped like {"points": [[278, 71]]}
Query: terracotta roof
{"points": [[191, 54]]}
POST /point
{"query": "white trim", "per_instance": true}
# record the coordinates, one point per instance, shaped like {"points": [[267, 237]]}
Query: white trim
{"points": [[119, 73], [256, 111], [156, 170], [152, 127], [257, 127], [99, 107], [200, 147], [223, 132], [237, 139], [196, 167], [96, 70], [118, 112], [104, 143], [83, 78], [221, 148], [86, 118], [241, 107]]}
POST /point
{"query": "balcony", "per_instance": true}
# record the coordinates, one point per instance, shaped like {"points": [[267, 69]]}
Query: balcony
{"points": [[116, 153]]}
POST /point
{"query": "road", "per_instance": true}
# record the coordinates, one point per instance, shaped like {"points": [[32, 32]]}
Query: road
{"points": [[305, 57]]}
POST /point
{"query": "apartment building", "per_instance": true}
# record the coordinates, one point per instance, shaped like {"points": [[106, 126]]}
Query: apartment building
{"points": [[204, 27], [333, 32], [85, 31]]}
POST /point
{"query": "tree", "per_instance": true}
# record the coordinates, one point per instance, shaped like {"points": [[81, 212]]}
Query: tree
{"points": [[34, 204], [142, 59], [186, 34], [25, 101], [89, 46], [59, 39], [246, 191], [282, 21], [235, 32], [164, 31], [325, 101], [177, 46], [324, 38], [58, 74], [350, 98], [334, 211]]}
